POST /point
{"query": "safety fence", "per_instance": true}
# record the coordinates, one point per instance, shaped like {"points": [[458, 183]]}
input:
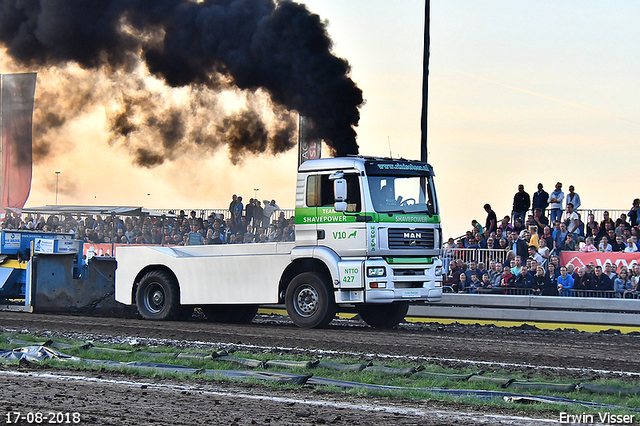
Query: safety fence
{"points": [[469, 254], [584, 213], [224, 213], [518, 291], [506, 307], [598, 214]]}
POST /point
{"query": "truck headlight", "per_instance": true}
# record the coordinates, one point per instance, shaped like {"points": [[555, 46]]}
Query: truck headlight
{"points": [[438, 270], [376, 271]]}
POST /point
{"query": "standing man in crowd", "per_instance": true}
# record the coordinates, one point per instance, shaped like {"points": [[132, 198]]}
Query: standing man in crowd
{"points": [[519, 246], [573, 198], [633, 213], [238, 208], [540, 199], [559, 237], [232, 205], [521, 203], [453, 280], [555, 203], [540, 219], [492, 220], [248, 211], [573, 221], [268, 209], [258, 214]]}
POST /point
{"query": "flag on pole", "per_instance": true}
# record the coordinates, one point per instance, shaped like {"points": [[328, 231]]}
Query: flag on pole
{"points": [[308, 148], [424, 153], [16, 108]]}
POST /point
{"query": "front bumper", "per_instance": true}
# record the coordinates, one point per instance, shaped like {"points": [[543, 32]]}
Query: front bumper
{"points": [[410, 281]]}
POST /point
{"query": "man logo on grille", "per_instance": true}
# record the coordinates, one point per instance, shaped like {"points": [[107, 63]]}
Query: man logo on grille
{"points": [[412, 235]]}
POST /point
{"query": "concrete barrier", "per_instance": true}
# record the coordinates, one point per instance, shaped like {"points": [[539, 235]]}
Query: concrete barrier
{"points": [[577, 310]]}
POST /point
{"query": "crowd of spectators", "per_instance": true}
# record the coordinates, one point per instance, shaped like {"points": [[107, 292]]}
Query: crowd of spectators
{"points": [[531, 243], [254, 222], [515, 276]]}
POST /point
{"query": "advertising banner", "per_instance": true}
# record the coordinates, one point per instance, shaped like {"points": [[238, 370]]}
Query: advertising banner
{"points": [[308, 148], [104, 249], [16, 107], [44, 246], [579, 259]]}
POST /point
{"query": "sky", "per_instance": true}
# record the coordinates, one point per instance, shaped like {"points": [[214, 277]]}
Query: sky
{"points": [[520, 91]]}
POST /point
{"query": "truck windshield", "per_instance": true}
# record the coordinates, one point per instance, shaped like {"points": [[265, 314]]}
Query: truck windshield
{"points": [[403, 194]]}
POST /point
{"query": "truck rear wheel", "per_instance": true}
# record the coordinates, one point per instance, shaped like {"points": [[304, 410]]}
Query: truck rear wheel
{"points": [[158, 297], [309, 301], [231, 314], [384, 316]]}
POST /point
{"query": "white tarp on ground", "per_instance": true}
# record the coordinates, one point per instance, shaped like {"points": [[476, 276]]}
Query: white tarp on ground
{"points": [[31, 353]]}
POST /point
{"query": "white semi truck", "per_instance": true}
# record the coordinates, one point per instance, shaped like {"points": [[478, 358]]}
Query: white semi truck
{"points": [[367, 240]]}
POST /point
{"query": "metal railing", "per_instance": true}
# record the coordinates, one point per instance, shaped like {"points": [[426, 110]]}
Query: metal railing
{"points": [[598, 214], [597, 293], [517, 291], [510, 291], [477, 255], [205, 213]]}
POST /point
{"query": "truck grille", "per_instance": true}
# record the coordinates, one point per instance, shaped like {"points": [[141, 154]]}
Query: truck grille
{"points": [[400, 238], [408, 272]]}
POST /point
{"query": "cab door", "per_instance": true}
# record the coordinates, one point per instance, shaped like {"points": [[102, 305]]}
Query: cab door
{"points": [[343, 232], [307, 211]]}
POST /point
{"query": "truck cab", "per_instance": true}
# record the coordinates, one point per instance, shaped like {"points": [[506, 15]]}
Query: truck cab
{"points": [[377, 219]]}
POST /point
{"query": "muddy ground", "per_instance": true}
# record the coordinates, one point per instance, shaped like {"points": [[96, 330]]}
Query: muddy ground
{"points": [[116, 398]]}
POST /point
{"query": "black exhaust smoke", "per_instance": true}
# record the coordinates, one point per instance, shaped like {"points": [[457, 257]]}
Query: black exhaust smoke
{"points": [[277, 48]]}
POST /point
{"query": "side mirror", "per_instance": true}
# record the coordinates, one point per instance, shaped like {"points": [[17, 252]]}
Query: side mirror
{"points": [[340, 207], [340, 195]]}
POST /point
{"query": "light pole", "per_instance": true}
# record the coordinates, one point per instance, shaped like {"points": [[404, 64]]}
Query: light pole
{"points": [[57, 179], [255, 193]]}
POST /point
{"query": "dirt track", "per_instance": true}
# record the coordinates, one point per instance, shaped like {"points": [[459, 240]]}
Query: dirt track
{"points": [[154, 401]]}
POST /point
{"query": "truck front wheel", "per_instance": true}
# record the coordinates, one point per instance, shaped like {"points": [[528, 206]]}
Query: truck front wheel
{"points": [[309, 302], [383, 316], [158, 297]]}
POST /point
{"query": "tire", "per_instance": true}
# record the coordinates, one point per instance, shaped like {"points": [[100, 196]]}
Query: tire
{"points": [[158, 297], [230, 314], [384, 316], [309, 301]]}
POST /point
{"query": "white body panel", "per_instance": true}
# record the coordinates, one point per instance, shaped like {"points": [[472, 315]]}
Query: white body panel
{"points": [[239, 274]]}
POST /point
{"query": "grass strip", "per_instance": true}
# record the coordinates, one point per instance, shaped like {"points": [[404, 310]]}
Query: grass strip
{"points": [[416, 385]]}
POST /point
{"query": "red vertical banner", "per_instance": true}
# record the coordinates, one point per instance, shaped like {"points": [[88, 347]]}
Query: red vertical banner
{"points": [[17, 99]]}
